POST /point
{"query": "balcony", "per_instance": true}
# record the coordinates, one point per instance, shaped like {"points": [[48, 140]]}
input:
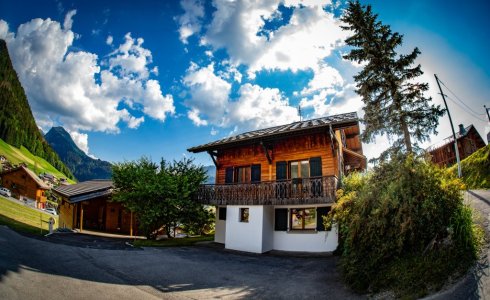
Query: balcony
{"points": [[317, 190]]}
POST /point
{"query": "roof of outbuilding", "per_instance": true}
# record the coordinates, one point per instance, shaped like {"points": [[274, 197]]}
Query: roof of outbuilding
{"points": [[279, 130], [31, 174], [85, 190]]}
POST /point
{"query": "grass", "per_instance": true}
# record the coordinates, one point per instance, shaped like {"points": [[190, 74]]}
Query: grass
{"points": [[175, 242], [24, 218], [476, 169], [35, 163]]}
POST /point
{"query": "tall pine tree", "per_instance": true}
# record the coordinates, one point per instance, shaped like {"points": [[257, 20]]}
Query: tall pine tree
{"points": [[395, 103]]}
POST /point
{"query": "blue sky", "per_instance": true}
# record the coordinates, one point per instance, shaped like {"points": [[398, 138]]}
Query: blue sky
{"points": [[156, 77]]}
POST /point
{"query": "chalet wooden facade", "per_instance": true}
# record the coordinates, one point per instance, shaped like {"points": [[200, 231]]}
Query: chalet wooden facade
{"points": [[468, 140], [24, 183], [274, 185], [87, 206]]}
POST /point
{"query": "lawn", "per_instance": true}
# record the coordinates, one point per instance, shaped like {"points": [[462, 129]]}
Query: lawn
{"points": [[35, 163], [175, 242], [24, 218]]}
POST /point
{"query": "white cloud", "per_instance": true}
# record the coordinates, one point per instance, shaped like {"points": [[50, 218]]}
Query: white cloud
{"points": [[209, 94], [74, 88], [68, 23], [190, 21], [80, 139], [310, 35], [255, 107], [109, 40], [325, 77]]}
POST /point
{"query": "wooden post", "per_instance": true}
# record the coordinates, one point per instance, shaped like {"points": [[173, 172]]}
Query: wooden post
{"points": [[131, 225], [270, 172], [81, 216]]}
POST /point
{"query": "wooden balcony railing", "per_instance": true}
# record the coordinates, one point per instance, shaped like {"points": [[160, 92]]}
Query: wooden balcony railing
{"points": [[315, 190]]}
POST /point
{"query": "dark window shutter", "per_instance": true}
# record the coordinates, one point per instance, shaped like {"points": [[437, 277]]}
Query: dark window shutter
{"points": [[320, 212], [281, 219], [315, 167], [255, 173], [229, 175], [222, 213], [281, 170]]}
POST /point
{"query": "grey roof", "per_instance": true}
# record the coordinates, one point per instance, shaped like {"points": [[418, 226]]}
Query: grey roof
{"points": [[279, 130], [85, 190], [450, 138]]}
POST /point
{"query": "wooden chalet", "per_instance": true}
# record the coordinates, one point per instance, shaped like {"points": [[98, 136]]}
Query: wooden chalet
{"points": [[87, 205], [468, 140], [24, 183], [283, 178]]}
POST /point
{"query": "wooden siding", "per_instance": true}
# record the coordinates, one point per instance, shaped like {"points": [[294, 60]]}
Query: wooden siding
{"points": [[21, 184], [467, 145], [290, 149]]}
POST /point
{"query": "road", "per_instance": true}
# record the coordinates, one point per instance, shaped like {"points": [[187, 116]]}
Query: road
{"points": [[33, 268]]}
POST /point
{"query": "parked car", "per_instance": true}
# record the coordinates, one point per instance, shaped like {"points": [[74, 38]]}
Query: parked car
{"points": [[51, 210], [5, 192]]}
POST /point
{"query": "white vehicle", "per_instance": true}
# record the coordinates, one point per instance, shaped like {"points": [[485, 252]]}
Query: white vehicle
{"points": [[51, 210], [5, 192]]}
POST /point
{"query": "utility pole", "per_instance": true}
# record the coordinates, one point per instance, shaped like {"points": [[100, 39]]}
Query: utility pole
{"points": [[488, 114], [452, 128]]}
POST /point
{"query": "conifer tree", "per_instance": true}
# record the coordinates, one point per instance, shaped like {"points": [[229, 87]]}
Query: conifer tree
{"points": [[395, 103]]}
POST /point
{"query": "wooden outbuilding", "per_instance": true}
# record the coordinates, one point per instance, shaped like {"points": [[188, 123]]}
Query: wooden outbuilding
{"points": [[87, 205], [24, 183], [468, 140]]}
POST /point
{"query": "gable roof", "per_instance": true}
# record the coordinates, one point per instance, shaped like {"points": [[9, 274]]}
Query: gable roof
{"points": [[85, 190], [450, 139], [279, 131], [31, 174]]}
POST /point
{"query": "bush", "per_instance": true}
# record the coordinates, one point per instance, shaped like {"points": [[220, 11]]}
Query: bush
{"points": [[404, 226]]}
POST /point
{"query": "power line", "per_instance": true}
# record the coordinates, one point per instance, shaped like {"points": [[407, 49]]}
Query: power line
{"points": [[469, 112], [460, 99]]}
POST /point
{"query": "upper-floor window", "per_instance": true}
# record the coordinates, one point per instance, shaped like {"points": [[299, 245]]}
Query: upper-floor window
{"points": [[299, 169], [243, 174]]}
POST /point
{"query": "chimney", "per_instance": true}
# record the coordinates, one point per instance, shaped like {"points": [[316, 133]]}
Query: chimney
{"points": [[462, 131]]}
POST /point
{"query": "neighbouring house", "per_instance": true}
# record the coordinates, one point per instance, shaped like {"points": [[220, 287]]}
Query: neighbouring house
{"points": [[87, 205], [274, 185], [3, 159], [468, 140], [24, 183]]}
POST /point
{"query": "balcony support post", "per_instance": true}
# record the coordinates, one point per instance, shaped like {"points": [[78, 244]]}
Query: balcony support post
{"points": [[214, 155], [266, 150]]}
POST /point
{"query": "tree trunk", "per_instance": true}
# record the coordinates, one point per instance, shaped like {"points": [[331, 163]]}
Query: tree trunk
{"points": [[406, 135]]}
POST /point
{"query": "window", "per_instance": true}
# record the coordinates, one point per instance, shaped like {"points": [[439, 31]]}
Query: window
{"points": [[300, 169], [244, 214], [302, 219], [222, 213], [242, 174]]}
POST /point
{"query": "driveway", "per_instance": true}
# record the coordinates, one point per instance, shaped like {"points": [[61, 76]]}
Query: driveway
{"points": [[35, 268]]}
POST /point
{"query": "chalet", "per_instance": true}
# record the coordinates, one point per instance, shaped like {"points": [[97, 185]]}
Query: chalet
{"points": [[87, 205], [274, 185], [468, 140], [23, 182]]}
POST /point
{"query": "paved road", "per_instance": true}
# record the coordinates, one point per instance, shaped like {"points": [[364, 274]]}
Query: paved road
{"points": [[34, 269]]}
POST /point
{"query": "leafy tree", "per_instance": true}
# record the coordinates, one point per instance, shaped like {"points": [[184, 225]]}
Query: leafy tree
{"points": [[160, 195], [395, 103]]}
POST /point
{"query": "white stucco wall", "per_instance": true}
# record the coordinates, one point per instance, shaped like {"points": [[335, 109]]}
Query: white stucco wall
{"points": [[220, 229], [305, 241], [244, 236]]}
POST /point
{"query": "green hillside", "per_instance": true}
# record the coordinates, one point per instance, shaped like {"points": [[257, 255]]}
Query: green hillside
{"points": [[35, 163], [17, 125], [476, 169]]}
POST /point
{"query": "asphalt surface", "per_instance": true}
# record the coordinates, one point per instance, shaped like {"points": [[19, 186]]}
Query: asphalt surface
{"points": [[96, 268]]}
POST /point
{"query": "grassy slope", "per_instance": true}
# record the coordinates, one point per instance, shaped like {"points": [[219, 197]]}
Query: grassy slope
{"points": [[24, 218], [476, 169], [35, 163]]}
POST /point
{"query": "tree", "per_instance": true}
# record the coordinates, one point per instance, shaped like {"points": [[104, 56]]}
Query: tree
{"points": [[162, 195], [395, 103]]}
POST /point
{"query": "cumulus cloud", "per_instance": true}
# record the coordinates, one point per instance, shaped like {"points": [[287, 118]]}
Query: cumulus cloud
{"points": [[190, 21], [109, 40], [80, 139], [78, 90], [254, 107], [302, 43]]}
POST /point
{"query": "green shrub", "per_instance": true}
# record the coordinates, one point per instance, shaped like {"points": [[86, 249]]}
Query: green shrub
{"points": [[404, 226], [475, 169]]}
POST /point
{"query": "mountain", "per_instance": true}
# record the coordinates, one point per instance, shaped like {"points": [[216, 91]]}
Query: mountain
{"points": [[17, 125], [211, 172], [83, 167]]}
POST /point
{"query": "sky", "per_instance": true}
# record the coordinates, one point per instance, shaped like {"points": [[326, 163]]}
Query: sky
{"points": [[152, 78]]}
